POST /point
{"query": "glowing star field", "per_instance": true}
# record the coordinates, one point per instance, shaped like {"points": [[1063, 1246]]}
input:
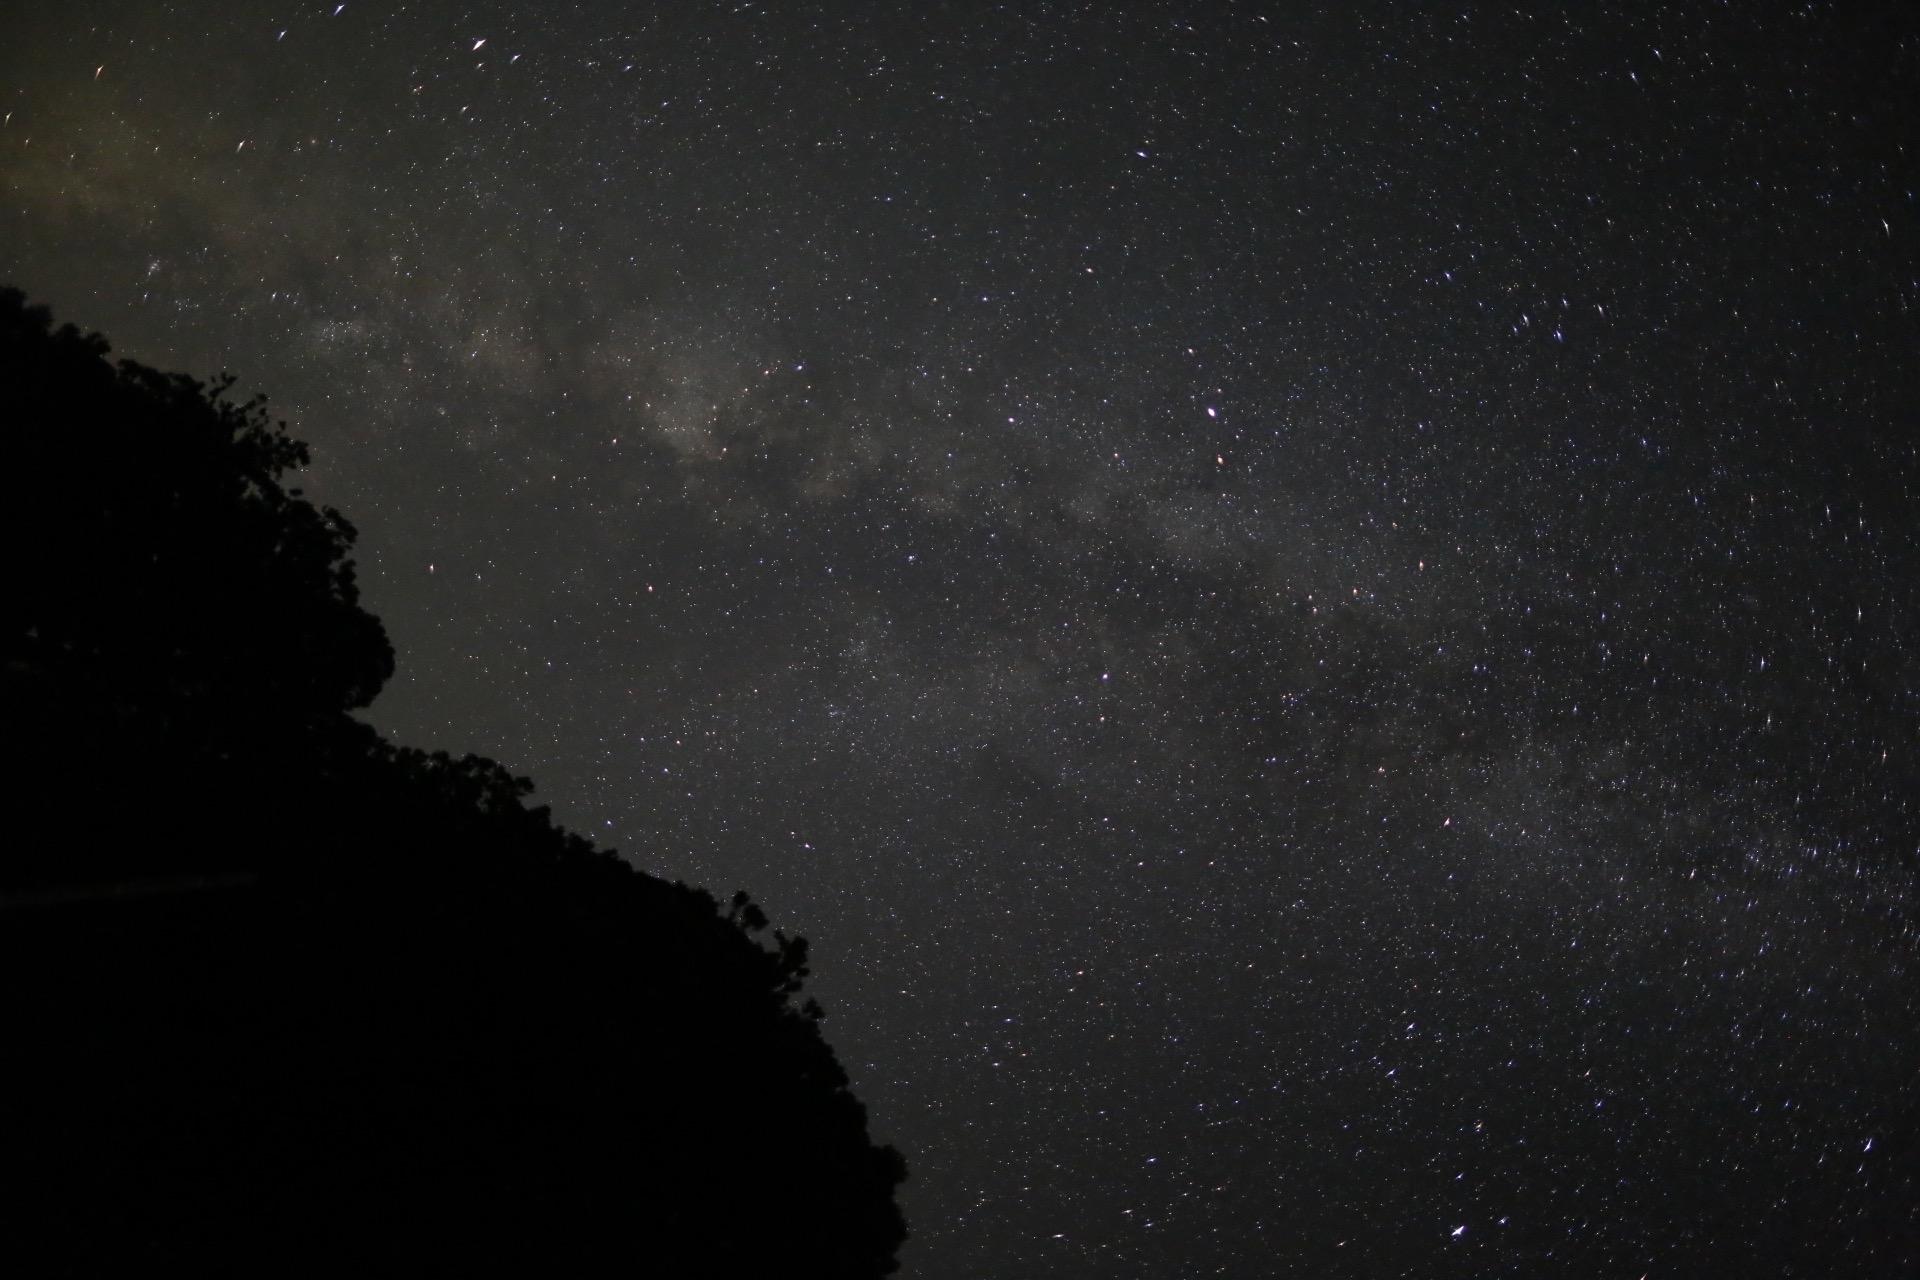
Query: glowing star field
{"points": [[1314, 609]]}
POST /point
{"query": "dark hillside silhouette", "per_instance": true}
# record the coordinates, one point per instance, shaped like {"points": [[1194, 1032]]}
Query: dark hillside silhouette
{"points": [[282, 998]]}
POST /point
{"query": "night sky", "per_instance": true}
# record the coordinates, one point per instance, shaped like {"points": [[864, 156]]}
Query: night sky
{"points": [[1315, 609]]}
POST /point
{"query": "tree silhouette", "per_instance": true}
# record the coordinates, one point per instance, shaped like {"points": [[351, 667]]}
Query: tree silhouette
{"points": [[283, 998]]}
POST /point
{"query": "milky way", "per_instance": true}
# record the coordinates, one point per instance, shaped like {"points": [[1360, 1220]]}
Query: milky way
{"points": [[1314, 613]]}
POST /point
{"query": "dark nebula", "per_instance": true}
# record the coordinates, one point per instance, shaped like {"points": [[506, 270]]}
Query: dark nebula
{"points": [[1317, 613]]}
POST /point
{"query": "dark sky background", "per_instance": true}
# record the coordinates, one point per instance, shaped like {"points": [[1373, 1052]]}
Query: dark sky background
{"points": [[1314, 608]]}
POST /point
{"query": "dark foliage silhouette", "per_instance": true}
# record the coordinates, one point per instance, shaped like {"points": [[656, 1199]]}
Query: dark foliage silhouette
{"points": [[283, 998]]}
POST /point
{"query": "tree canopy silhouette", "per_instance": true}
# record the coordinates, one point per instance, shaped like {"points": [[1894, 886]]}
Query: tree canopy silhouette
{"points": [[284, 998]]}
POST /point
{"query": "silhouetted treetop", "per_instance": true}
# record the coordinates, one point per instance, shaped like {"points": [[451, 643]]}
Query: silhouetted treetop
{"points": [[284, 998], [155, 546]]}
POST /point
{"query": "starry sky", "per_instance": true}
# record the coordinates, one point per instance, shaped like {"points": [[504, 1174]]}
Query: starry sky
{"points": [[1316, 608]]}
